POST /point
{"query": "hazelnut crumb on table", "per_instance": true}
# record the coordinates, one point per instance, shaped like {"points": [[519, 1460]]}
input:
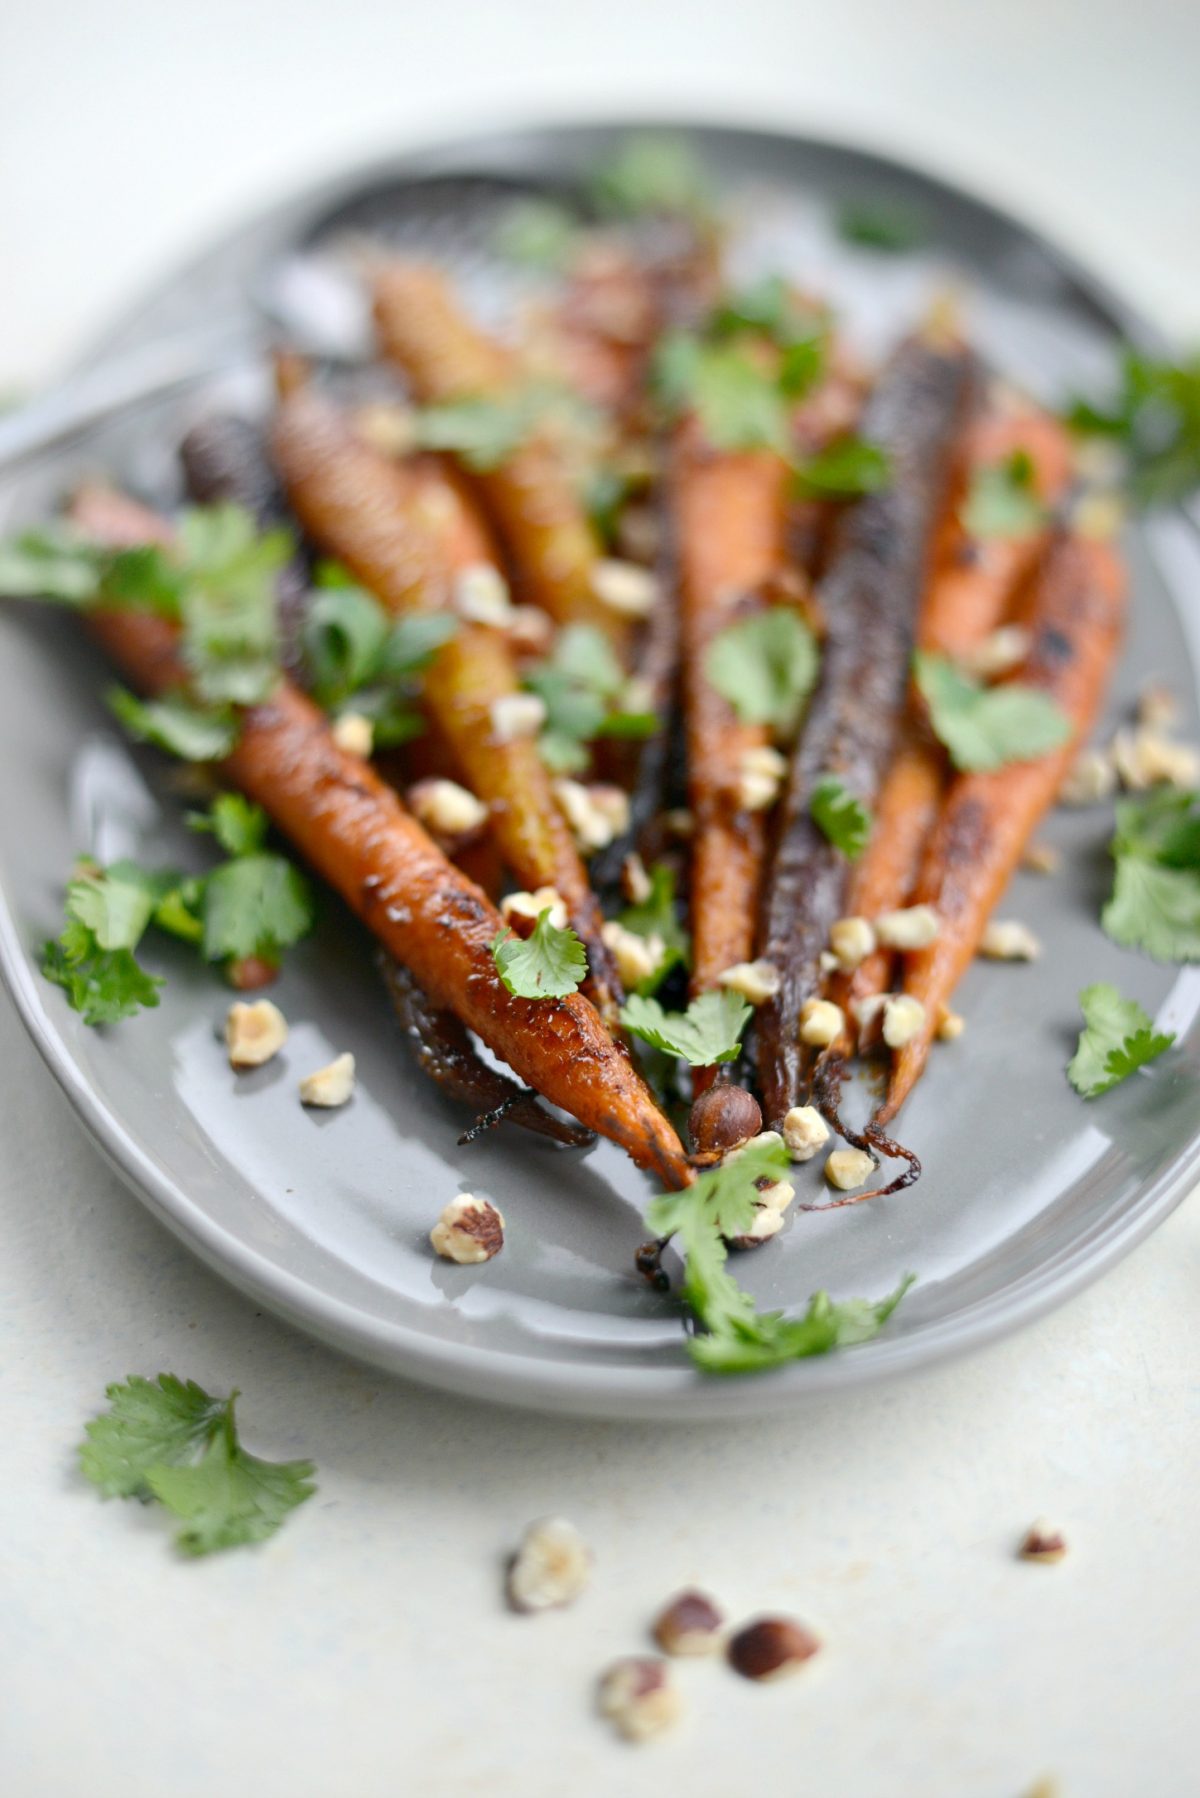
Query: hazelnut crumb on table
{"points": [[551, 1567]]}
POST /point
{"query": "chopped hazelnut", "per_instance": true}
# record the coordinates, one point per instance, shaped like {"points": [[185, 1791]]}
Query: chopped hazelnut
{"points": [[828, 962], [516, 715], [950, 1025], [760, 777], [848, 1168], [766, 1222], [1157, 707], [355, 734], [912, 927], [804, 1131], [1145, 758], [1041, 858], [637, 957], [679, 821], [691, 1624], [624, 587], [903, 1018], [469, 1231], [329, 1086], [722, 1120], [638, 1695], [448, 811], [480, 595], [868, 1013], [756, 981], [1005, 939], [771, 1647], [521, 911], [998, 653], [635, 882], [821, 1022], [550, 1568], [254, 1032], [1092, 778], [851, 940], [529, 628], [1098, 515], [595, 814], [389, 429], [1041, 1542]]}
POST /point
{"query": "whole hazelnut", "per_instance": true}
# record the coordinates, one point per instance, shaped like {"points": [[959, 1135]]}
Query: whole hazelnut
{"points": [[771, 1647], [722, 1119]]}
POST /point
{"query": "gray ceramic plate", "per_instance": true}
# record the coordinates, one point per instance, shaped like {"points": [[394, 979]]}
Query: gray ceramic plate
{"points": [[1028, 1192]]}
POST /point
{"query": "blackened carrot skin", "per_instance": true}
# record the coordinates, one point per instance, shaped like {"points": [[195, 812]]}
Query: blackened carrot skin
{"points": [[869, 599]]}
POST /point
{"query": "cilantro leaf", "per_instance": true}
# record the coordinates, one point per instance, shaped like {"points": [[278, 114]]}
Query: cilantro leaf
{"points": [[649, 173], [230, 1497], [54, 562], [738, 402], [102, 985], [709, 1031], [196, 733], [483, 429], [1003, 500], [845, 469], [987, 727], [345, 630], [656, 916], [580, 684], [1155, 418], [228, 602], [841, 817], [239, 825], [539, 233], [1117, 1039], [150, 1423], [255, 905], [1155, 902], [548, 965], [766, 667], [890, 225], [738, 1339], [358, 658]]}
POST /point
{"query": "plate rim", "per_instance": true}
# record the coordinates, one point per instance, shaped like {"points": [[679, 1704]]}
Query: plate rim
{"points": [[678, 1393]]}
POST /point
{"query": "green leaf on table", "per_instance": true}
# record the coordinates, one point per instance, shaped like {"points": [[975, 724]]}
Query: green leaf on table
{"points": [[1003, 499], [708, 1032], [1118, 1038], [841, 817], [765, 666], [1155, 902], [547, 965], [987, 727], [846, 469]]}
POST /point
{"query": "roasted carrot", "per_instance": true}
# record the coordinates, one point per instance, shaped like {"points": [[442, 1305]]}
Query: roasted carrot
{"points": [[970, 591], [869, 599], [351, 827], [549, 537], [1076, 606], [405, 533]]}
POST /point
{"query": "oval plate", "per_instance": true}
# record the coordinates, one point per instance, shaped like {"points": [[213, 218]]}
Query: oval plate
{"points": [[1028, 1191]]}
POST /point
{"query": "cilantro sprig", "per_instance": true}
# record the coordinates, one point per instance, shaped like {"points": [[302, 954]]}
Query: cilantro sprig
{"points": [[540, 234], [841, 817], [889, 225], [485, 430], [987, 727], [1118, 1038], [1155, 902], [581, 683], [547, 965], [766, 667], [169, 1440], [738, 1338], [1154, 418], [656, 916], [359, 659], [652, 173], [1003, 500], [708, 1032]]}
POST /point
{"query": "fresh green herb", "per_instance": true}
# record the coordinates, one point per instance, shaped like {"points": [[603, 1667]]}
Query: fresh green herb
{"points": [[771, 309], [1155, 419], [845, 470], [539, 233], [227, 600], [548, 965], [581, 684], [359, 659], [890, 225], [987, 727], [164, 1440], [1003, 499], [54, 562], [605, 492], [656, 916], [197, 733], [1117, 1039], [709, 1031], [841, 817], [738, 402], [255, 905], [739, 1339], [765, 666], [108, 911], [239, 825], [485, 430], [652, 172], [1155, 903]]}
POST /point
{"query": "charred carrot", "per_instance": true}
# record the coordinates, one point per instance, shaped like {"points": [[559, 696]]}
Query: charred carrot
{"points": [[406, 534], [529, 495], [869, 600], [1076, 610], [351, 827]]}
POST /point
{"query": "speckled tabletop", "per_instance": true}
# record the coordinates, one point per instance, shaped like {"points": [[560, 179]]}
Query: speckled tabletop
{"points": [[365, 1650]]}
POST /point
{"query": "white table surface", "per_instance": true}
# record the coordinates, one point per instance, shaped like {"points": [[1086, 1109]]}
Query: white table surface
{"points": [[365, 1650]]}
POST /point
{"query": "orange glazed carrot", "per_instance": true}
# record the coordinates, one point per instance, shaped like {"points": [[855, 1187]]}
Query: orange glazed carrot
{"points": [[529, 495], [1075, 615], [405, 533], [354, 831]]}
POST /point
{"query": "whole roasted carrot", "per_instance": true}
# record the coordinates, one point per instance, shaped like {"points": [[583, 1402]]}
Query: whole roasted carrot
{"points": [[351, 827], [529, 495], [728, 520], [1075, 615], [971, 590], [406, 533], [869, 599]]}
